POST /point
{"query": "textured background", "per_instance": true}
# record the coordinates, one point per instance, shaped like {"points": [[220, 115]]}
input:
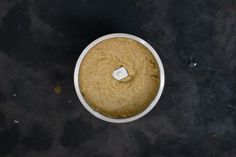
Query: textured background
{"points": [[41, 116]]}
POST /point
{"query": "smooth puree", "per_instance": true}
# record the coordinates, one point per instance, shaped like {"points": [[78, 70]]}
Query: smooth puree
{"points": [[119, 98]]}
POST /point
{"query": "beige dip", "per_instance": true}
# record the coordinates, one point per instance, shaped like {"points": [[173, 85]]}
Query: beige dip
{"points": [[119, 98]]}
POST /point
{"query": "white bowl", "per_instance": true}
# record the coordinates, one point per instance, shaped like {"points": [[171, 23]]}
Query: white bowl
{"points": [[99, 115]]}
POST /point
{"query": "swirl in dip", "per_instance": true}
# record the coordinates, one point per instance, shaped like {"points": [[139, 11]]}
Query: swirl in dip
{"points": [[132, 90]]}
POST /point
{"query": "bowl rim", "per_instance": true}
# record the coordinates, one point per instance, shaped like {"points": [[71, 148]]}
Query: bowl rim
{"points": [[99, 115]]}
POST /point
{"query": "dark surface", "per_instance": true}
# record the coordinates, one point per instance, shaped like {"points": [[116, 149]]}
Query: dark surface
{"points": [[40, 42]]}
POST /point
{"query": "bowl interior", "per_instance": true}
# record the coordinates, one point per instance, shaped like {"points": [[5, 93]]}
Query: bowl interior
{"points": [[97, 114]]}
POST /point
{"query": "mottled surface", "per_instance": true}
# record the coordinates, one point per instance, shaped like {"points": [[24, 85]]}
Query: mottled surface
{"points": [[123, 98], [41, 116]]}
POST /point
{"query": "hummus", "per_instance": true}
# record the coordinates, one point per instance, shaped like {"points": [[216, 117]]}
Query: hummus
{"points": [[119, 98]]}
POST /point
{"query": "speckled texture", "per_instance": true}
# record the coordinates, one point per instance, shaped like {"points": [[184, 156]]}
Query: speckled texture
{"points": [[119, 98], [41, 116]]}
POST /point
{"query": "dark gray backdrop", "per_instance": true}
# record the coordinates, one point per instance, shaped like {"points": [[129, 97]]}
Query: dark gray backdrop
{"points": [[41, 116]]}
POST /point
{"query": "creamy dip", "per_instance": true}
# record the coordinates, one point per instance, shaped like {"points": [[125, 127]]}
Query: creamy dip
{"points": [[131, 93]]}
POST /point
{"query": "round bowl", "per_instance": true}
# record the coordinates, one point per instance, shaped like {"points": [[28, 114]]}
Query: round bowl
{"points": [[99, 115]]}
